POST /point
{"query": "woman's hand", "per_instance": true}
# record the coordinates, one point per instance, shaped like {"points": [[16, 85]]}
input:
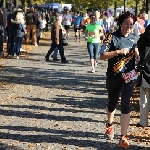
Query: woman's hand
{"points": [[91, 34], [123, 51], [137, 57]]}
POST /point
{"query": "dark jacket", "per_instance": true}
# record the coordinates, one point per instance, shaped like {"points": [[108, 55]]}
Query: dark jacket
{"points": [[18, 30], [143, 45], [31, 18], [56, 33], [143, 42]]}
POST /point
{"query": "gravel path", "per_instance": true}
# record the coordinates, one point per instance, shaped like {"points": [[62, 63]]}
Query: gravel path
{"points": [[55, 106]]}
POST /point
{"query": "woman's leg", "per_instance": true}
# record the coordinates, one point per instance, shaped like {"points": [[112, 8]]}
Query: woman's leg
{"points": [[18, 44], [126, 93], [90, 48], [96, 52], [113, 88]]}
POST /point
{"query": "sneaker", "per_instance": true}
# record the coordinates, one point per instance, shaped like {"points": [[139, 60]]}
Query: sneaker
{"points": [[95, 63], [9, 56], [17, 57], [22, 50], [93, 71], [46, 59], [123, 143], [35, 45], [64, 61], [109, 132]]}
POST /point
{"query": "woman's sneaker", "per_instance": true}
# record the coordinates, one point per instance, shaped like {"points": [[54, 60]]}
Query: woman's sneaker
{"points": [[95, 63], [93, 70], [109, 132], [123, 143]]}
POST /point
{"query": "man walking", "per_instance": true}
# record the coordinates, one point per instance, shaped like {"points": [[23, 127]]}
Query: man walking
{"points": [[67, 19], [31, 22], [56, 37]]}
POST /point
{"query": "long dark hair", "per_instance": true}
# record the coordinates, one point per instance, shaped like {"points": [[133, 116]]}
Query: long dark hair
{"points": [[124, 16]]}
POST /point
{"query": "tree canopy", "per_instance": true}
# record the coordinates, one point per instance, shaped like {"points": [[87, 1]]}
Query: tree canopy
{"points": [[85, 4]]}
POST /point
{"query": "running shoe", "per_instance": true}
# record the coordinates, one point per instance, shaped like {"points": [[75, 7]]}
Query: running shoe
{"points": [[95, 63], [109, 132], [123, 143], [93, 70]]}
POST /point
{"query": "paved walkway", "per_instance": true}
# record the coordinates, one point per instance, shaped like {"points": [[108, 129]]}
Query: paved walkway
{"points": [[55, 106]]}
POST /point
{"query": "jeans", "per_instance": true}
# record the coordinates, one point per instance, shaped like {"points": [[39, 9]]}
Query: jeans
{"points": [[38, 35], [61, 51], [55, 53], [1, 45], [93, 49], [17, 46], [10, 43]]}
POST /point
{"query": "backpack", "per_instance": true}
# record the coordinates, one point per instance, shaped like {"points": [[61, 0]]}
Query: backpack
{"points": [[29, 18]]}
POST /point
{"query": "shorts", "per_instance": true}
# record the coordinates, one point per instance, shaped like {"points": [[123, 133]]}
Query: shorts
{"points": [[83, 27], [77, 28], [67, 27]]}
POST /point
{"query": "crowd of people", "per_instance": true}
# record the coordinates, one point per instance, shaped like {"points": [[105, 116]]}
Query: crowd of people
{"points": [[17, 25], [124, 41]]}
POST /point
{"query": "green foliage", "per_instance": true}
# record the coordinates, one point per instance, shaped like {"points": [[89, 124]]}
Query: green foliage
{"points": [[82, 5]]}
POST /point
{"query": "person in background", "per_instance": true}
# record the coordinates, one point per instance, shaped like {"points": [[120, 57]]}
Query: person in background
{"points": [[145, 18], [143, 45], [10, 41], [77, 26], [93, 33], [120, 49], [38, 28], [47, 21], [5, 14], [56, 37], [18, 31], [1, 32], [67, 19], [85, 21], [31, 22]]}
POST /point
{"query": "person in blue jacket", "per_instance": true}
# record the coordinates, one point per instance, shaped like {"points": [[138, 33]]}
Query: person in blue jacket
{"points": [[77, 25]]}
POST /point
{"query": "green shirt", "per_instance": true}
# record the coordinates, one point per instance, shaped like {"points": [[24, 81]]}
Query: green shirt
{"points": [[95, 29]]}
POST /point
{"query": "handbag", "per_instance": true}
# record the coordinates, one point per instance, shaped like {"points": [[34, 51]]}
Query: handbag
{"points": [[64, 40]]}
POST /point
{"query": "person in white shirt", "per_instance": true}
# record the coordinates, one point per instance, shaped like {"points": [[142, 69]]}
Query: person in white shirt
{"points": [[67, 19], [42, 22]]}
